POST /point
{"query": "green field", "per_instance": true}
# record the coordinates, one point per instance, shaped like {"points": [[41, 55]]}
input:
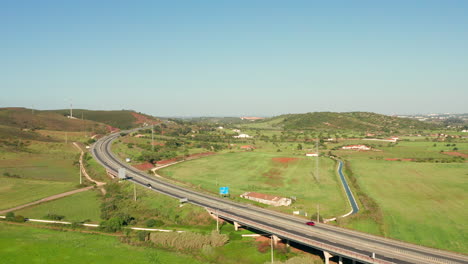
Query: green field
{"points": [[77, 207], [259, 172], [414, 197], [15, 192], [418, 197], [24, 244], [44, 169]]}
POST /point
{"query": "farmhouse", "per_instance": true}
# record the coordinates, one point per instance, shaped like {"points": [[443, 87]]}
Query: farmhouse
{"points": [[267, 199], [251, 118], [356, 147], [242, 136]]}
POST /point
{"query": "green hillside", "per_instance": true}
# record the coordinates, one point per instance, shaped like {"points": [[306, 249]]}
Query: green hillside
{"points": [[28, 119], [356, 121], [123, 119]]}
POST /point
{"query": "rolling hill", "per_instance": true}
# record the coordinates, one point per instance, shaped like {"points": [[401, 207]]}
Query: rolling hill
{"points": [[356, 121], [28, 119], [123, 119]]}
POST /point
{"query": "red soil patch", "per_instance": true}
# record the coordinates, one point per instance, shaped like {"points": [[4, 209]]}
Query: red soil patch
{"points": [[144, 166], [454, 153], [140, 119], [200, 155], [112, 129], [396, 159], [165, 162], [284, 160]]}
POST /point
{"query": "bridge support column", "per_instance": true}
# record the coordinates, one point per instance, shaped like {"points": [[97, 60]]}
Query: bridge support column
{"points": [[353, 261], [275, 240], [340, 260], [327, 257], [236, 226]]}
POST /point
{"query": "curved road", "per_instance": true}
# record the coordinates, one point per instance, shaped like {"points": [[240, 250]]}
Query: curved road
{"points": [[337, 241]]}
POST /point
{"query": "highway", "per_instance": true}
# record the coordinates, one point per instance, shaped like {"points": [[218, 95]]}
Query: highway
{"points": [[363, 248]]}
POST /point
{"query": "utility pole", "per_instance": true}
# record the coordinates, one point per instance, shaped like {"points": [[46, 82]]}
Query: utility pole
{"points": [[217, 221], [272, 259], [318, 213], [81, 177], [152, 137], [317, 161], [134, 192], [71, 108]]}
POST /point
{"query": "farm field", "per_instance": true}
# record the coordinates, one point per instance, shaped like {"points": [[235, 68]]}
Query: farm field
{"points": [[78, 207], [35, 245], [15, 192], [43, 169], [270, 173], [422, 202]]}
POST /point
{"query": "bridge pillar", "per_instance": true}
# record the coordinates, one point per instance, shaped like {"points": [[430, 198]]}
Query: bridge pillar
{"points": [[236, 226], [327, 257], [275, 239], [340, 260], [353, 261]]}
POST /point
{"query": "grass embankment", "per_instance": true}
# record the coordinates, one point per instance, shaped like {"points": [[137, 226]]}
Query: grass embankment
{"points": [[270, 173], [34, 245], [419, 202]]}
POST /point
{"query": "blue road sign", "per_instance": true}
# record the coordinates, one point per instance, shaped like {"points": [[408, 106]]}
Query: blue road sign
{"points": [[223, 190]]}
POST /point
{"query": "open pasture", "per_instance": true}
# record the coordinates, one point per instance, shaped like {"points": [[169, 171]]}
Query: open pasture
{"points": [[35, 245], [15, 192], [270, 173], [77, 207], [422, 203]]}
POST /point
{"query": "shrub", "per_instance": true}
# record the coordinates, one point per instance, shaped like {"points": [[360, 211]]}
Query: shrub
{"points": [[55, 217], [150, 223], [143, 235], [10, 216]]}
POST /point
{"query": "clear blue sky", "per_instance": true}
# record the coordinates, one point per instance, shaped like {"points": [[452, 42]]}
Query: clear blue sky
{"points": [[220, 58]]}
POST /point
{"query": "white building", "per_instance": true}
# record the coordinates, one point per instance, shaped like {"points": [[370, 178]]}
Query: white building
{"points": [[356, 147], [242, 136], [311, 154]]}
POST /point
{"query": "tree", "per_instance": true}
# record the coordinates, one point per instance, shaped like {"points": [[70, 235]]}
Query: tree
{"points": [[299, 146]]}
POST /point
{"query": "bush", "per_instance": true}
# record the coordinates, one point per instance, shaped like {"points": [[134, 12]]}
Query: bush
{"points": [[10, 216], [112, 225], [19, 218], [143, 235], [154, 223], [55, 217]]}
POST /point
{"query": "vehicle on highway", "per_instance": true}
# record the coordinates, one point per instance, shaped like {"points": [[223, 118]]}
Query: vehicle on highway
{"points": [[149, 185], [310, 223]]}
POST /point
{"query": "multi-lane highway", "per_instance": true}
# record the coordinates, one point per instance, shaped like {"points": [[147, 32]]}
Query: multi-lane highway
{"points": [[358, 246]]}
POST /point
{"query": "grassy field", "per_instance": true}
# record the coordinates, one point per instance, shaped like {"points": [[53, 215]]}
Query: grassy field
{"points": [[429, 197], [414, 196], [15, 192], [44, 169], [77, 207], [23, 244], [258, 171]]}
